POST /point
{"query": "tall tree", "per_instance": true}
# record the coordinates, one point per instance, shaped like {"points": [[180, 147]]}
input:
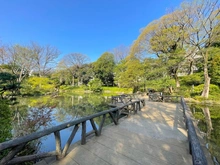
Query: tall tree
{"points": [[21, 61], [164, 38], [103, 68], [61, 75], [44, 57], [4, 56], [120, 53], [74, 62], [130, 73], [182, 35], [201, 20]]}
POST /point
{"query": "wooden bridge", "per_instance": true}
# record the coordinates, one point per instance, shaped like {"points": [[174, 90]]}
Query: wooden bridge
{"points": [[155, 135]]}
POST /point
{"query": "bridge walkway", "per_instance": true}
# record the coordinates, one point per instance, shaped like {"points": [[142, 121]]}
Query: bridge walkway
{"points": [[154, 136]]}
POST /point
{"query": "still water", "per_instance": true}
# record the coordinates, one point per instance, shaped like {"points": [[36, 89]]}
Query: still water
{"points": [[35, 114], [209, 124]]}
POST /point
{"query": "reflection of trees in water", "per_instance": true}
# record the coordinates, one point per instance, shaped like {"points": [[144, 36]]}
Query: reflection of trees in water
{"points": [[209, 122], [28, 120], [34, 120], [33, 113], [70, 108]]}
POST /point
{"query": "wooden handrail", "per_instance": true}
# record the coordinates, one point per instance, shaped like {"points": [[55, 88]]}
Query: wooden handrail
{"points": [[17, 144], [125, 98], [195, 149]]}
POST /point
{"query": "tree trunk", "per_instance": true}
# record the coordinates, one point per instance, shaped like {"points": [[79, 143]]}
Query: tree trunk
{"points": [[208, 121], [135, 89], [205, 92], [190, 68], [170, 89], [177, 81], [73, 81]]}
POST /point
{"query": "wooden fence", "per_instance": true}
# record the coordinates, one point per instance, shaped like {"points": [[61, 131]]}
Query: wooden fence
{"points": [[160, 97], [198, 156], [126, 98], [18, 144]]}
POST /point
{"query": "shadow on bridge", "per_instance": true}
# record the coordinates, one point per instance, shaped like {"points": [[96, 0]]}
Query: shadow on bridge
{"points": [[156, 135]]}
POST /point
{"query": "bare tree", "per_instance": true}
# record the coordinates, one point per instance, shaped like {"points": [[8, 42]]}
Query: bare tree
{"points": [[44, 57], [76, 59], [21, 61], [73, 62], [3, 55], [120, 53]]}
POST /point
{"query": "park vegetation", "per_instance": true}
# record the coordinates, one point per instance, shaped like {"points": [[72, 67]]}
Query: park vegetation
{"points": [[177, 54]]}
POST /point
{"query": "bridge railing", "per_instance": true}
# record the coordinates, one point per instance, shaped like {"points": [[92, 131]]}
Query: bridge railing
{"points": [[16, 145], [126, 98], [198, 156], [160, 97]]}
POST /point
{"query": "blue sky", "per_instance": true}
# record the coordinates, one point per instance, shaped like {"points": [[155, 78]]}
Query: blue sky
{"points": [[90, 27]]}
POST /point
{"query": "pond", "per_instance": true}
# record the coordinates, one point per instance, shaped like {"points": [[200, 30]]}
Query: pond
{"points": [[38, 113], [209, 124]]}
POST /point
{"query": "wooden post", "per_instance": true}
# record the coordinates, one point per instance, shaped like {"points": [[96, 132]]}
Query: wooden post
{"points": [[143, 102], [66, 147], [12, 153], [117, 115], [83, 136], [139, 105], [101, 124], [112, 116], [58, 144], [94, 127], [134, 107], [21, 159]]}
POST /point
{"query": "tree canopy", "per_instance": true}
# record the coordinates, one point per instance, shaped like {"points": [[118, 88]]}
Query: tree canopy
{"points": [[103, 68]]}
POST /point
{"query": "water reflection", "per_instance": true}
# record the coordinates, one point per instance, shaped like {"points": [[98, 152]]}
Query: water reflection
{"points": [[35, 119], [209, 123], [208, 120], [34, 114]]}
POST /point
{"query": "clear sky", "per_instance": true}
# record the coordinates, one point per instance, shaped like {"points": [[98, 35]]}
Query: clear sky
{"points": [[90, 27]]}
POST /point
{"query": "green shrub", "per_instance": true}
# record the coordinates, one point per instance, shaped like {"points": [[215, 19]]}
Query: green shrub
{"points": [[197, 90], [214, 92], [95, 85], [117, 90], [184, 91], [194, 79], [37, 86], [160, 84]]}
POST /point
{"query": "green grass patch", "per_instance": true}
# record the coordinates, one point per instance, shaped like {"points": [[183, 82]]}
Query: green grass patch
{"points": [[107, 91], [116, 90]]}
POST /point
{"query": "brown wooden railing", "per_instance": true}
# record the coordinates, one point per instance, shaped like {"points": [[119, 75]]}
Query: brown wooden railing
{"points": [[195, 149], [18, 144], [126, 98], [159, 96]]}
